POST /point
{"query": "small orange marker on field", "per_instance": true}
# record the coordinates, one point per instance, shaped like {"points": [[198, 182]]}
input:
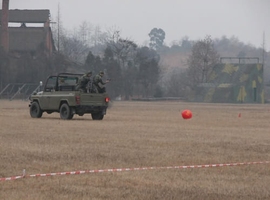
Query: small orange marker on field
{"points": [[239, 115]]}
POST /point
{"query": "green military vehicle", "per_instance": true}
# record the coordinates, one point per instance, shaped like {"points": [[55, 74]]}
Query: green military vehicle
{"points": [[59, 95]]}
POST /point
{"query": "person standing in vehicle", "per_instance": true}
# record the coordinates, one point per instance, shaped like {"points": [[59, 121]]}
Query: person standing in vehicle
{"points": [[98, 82], [83, 82]]}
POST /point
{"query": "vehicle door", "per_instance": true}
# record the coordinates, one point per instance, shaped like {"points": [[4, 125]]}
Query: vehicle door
{"points": [[49, 90], [64, 91]]}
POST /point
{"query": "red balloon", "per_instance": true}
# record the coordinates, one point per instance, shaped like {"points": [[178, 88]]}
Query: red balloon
{"points": [[186, 114]]}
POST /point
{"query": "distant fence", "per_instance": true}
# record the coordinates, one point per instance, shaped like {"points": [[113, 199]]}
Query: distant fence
{"points": [[18, 90], [159, 99]]}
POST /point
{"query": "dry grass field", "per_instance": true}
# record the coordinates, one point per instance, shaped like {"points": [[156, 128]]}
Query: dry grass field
{"points": [[137, 134]]}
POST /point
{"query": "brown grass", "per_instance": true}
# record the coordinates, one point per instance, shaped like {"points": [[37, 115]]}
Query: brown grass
{"points": [[137, 134]]}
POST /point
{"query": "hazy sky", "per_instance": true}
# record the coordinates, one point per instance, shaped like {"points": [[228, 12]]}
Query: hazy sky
{"points": [[245, 19]]}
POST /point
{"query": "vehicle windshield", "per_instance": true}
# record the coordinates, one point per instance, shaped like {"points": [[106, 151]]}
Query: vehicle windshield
{"points": [[51, 84], [65, 80], [61, 83]]}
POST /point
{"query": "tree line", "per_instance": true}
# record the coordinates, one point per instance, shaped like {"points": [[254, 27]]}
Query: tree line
{"points": [[136, 71]]}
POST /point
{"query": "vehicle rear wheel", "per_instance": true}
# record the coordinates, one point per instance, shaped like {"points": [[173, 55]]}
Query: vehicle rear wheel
{"points": [[35, 110], [97, 116], [65, 111]]}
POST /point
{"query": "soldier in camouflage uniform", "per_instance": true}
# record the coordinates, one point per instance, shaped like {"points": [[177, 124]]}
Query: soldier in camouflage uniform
{"points": [[83, 82], [98, 82]]}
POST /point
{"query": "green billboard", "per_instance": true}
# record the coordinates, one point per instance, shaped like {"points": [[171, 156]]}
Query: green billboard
{"points": [[232, 83]]}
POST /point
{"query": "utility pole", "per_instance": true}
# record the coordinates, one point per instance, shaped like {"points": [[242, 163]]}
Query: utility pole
{"points": [[4, 25], [263, 49], [58, 28]]}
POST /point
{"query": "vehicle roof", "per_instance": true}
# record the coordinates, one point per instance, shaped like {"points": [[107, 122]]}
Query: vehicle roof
{"points": [[69, 74]]}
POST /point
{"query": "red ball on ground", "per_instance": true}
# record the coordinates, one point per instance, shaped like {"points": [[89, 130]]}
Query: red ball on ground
{"points": [[186, 114]]}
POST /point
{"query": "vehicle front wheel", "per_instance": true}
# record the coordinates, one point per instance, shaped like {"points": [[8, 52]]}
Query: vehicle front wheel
{"points": [[35, 110], [97, 116], [65, 112]]}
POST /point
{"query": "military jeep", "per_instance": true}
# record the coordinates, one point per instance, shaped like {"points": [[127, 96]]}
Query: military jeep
{"points": [[59, 95]]}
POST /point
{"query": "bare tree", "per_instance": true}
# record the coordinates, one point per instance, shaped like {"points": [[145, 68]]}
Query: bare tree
{"points": [[113, 34], [147, 60], [202, 61], [175, 82], [96, 36], [124, 51], [74, 49], [84, 31]]}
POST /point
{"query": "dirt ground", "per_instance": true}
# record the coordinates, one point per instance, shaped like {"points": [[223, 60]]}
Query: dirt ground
{"points": [[137, 134]]}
